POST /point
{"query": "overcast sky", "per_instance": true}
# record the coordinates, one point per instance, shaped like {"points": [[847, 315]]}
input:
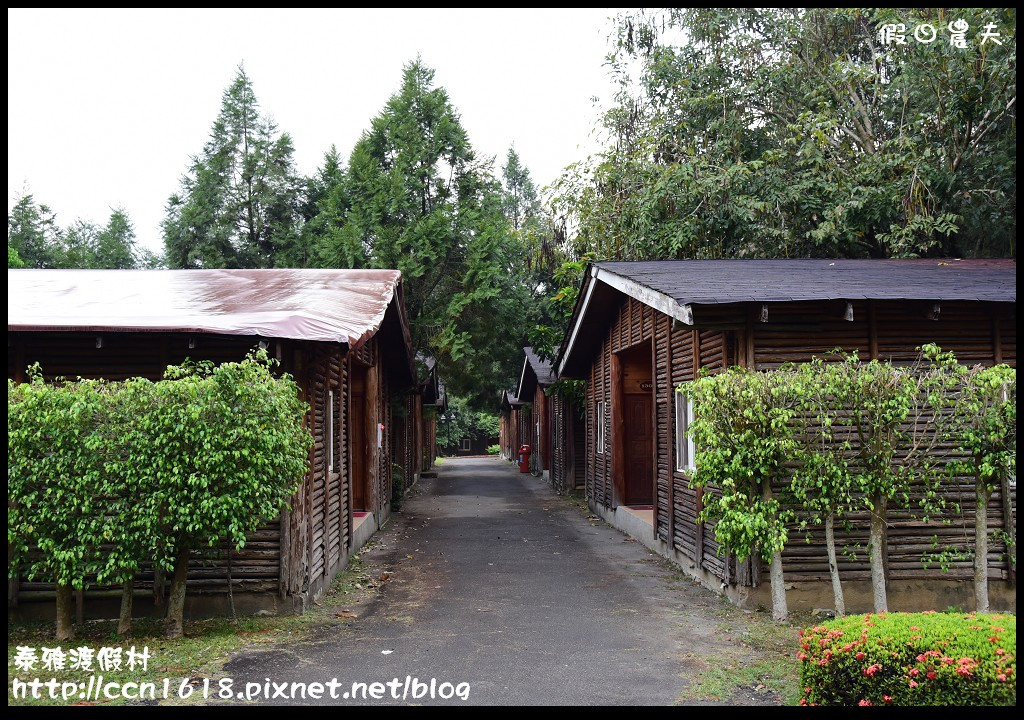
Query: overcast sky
{"points": [[105, 107]]}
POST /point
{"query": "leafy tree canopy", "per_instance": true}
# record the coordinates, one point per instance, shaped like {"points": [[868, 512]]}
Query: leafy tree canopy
{"points": [[795, 132]]}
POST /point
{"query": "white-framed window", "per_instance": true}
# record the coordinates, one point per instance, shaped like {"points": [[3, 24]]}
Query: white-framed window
{"points": [[600, 427], [330, 431], [685, 450], [467, 444]]}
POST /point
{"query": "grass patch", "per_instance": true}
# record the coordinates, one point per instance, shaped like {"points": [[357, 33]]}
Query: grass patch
{"points": [[755, 658], [195, 658], [768, 678]]}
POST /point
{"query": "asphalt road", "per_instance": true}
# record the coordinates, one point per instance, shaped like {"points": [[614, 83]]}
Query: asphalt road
{"points": [[494, 581]]}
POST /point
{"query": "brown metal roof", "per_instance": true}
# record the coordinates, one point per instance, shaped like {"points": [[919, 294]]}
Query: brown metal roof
{"points": [[345, 306]]}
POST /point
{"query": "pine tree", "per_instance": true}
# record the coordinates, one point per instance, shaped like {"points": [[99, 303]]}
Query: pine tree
{"points": [[416, 197], [240, 200], [32, 234]]}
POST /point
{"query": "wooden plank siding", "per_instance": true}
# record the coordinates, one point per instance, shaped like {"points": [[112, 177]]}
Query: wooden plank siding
{"points": [[292, 557], [739, 334]]}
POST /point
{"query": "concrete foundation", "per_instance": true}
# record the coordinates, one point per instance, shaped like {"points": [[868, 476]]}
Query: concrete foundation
{"points": [[903, 595]]}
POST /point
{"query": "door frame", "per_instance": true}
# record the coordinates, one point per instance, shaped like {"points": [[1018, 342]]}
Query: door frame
{"points": [[618, 422]]}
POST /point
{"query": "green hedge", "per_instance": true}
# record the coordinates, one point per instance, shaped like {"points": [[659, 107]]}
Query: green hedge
{"points": [[910, 659]]}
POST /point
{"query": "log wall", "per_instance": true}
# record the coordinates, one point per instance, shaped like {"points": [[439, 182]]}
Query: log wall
{"points": [[792, 332]]}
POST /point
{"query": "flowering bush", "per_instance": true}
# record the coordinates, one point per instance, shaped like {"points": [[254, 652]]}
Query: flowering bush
{"points": [[910, 659]]}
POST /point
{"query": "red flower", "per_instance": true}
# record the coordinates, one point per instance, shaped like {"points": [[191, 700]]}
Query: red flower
{"points": [[802, 656], [860, 656], [914, 672], [887, 699], [963, 671], [931, 675], [913, 684], [922, 657], [947, 660], [1000, 651], [914, 627], [872, 669], [1001, 678], [803, 701], [807, 690], [993, 639], [864, 703]]}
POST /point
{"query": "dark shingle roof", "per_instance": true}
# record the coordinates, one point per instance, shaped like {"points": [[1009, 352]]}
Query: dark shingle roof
{"points": [[541, 368], [701, 282]]}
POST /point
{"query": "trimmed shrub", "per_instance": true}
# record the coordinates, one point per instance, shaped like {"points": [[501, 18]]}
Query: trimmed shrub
{"points": [[910, 659], [493, 449]]}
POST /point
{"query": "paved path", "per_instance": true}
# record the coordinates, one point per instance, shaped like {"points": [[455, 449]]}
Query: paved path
{"points": [[497, 582]]}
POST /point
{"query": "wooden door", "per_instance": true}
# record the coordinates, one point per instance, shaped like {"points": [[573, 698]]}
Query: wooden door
{"points": [[639, 449]]}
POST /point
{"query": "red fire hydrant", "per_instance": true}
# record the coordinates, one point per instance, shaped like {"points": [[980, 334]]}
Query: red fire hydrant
{"points": [[524, 459]]}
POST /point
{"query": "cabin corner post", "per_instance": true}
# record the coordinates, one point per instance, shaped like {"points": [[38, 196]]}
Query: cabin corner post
{"points": [[872, 332], [997, 341], [284, 567], [748, 339]]}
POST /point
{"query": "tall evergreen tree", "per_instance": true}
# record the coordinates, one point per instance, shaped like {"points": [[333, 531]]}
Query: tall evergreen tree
{"points": [[32, 233], [522, 203], [115, 243], [416, 197], [240, 200], [327, 204]]}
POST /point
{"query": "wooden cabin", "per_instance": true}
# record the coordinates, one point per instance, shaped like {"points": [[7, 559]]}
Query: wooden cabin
{"points": [[557, 435], [342, 334], [535, 378], [514, 425], [414, 426], [640, 328]]}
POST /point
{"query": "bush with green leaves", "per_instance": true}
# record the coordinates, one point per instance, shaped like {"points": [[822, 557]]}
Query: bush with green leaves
{"points": [[744, 435], [493, 449], [104, 478], [57, 518], [910, 659]]}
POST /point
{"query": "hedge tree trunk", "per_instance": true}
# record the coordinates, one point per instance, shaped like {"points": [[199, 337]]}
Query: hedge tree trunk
{"points": [[124, 622], [779, 609], [981, 547], [65, 608], [877, 550], [176, 602], [833, 566]]}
